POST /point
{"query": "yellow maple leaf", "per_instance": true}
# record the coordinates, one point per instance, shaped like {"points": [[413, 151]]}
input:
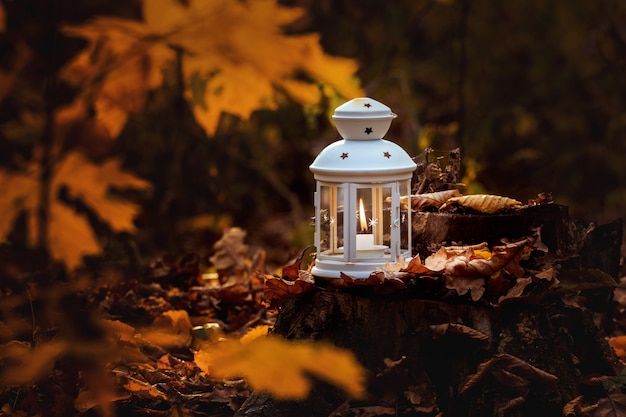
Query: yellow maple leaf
{"points": [[280, 367], [120, 65], [18, 193], [91, 183], [235, 57], [70, 236]]}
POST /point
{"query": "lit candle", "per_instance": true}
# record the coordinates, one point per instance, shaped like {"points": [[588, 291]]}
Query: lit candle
{"points": [[364, 241]]}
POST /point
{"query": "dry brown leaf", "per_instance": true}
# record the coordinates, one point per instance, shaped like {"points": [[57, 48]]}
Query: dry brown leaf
{"points": [[571, 409], [462, 284], [517, 290], [90, 398], [483, 203], [613, 406], [416, 267], [142, 389], [278, 290], [290, 271], [230, 252], [513, 366], [436, 199], [440, 330]]}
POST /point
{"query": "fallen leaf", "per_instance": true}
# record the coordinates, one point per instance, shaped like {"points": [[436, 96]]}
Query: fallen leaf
{"points": [[482, 203], [416, 267], [612, 406], [436, 199], [230, 257], [278, 290], [258, 331], [517, 290], [618, 343], [142, 389], [172, 329], [280, 367], [440, 330], [290, 271], [513, 366], [28, 365]]}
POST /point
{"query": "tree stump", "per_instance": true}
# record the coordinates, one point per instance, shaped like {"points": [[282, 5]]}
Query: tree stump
{"points": [[420, 355], [429, 356]]}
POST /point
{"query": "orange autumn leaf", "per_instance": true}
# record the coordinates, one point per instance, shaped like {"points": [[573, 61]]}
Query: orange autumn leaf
{"points": [[235, 57], [92, 183], [25, 364], [618, 343], [172, 329], [69, 233], [282, 368]]}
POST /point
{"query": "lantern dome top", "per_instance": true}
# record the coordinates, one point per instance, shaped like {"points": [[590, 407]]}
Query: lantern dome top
{"points": [[363, 155], [363, 119], [363, 108]]}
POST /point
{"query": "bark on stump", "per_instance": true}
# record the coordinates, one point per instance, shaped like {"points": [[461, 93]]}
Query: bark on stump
{"points": [[414, 370]]}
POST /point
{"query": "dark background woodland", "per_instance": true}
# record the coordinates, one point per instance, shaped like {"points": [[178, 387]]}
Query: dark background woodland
{"points": [[533, 92]]}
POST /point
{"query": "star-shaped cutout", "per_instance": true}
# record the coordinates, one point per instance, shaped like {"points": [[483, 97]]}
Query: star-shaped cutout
{"points": [[387, 155], [367, 105], [344, 155], [368, 130]]}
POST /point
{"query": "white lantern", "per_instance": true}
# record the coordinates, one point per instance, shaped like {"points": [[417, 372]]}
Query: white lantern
{"points": [[360, 223]]}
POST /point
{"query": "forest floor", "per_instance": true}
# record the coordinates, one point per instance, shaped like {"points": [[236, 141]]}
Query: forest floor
{"points": [[118, 345]]}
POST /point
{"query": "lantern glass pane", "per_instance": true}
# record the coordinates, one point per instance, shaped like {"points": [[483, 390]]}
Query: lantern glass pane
{"points": [[331, 220], [373, 219], [405, 219]]}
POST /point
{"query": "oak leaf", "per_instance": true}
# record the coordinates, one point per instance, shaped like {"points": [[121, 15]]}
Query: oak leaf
{"points": [[281, 368], [235, 58]]}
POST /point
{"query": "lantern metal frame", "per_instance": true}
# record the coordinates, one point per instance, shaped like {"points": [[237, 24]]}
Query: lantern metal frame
{"points": [[360, 223]]}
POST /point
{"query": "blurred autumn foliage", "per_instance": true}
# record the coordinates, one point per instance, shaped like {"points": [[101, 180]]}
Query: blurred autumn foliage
{"points": [[194, 99]]}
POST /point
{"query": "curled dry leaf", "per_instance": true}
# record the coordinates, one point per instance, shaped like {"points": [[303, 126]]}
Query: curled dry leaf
{"points": [[290, 270], [482, 203], [517, 290], [381, 282], [440, 330], [436, 199], [613, 406], [513, 366]]}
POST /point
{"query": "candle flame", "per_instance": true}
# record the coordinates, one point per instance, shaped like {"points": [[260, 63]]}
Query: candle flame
{"points": [[362, 218]]}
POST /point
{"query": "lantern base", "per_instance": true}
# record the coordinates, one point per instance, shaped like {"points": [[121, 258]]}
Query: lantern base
{"points": [[332, 269]]}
